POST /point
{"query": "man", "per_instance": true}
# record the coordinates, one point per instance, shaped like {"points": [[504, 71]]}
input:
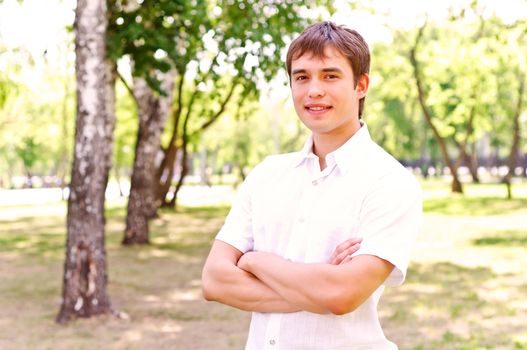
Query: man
{"points": [[278, 253]]}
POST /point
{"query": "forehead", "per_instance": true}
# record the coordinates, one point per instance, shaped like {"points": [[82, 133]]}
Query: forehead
{"points": [[331, 57]]}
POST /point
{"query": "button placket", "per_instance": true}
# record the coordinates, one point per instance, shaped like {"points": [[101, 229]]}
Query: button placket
{"points": [[272, 332]]}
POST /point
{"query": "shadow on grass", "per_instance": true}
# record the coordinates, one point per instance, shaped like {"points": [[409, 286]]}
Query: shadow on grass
{"points": [[34, 243], [477, 206], [184, 247], [440, 297], [503, 238], [188, 231], [205, 212]]}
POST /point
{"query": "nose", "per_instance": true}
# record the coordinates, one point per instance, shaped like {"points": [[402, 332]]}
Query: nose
{"points": [[315, 89]]}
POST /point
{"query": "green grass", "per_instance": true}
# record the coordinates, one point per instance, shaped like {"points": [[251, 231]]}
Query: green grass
{"points": [[474, 206], [465, 288], [503, 238], [477, 200]]}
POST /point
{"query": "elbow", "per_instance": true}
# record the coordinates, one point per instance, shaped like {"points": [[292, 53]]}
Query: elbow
{"points": [[341, 304], [207, 291], [208, 286], [340, 310]]}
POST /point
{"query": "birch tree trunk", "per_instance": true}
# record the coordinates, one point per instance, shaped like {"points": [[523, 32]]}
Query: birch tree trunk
{"points": [[153, 111], [85, 276]]}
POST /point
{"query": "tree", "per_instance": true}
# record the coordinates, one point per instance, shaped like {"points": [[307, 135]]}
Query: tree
{"points": [[28, 152], [153, 111], [511, 76], [219, 52], [85, 273], [451, 96], [241, 49]]}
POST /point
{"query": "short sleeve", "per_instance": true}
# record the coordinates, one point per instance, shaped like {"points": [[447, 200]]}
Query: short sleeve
{"points": [[237, 229], [390, 220]]}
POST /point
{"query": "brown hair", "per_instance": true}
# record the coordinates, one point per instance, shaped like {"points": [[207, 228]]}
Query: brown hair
{"points": [[348, 42]]}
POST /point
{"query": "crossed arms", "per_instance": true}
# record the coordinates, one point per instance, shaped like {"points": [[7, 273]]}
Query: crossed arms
{"points": [[265, 282]]}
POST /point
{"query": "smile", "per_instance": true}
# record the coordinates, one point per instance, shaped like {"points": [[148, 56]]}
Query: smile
{"points": [[317, 108]]}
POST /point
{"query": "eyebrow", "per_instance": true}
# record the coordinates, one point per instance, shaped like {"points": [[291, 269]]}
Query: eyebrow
{"points": [[325, 70]]}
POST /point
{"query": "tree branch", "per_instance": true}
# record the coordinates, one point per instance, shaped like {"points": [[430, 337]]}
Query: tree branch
{"points": [[128, 88], [214, 117]]}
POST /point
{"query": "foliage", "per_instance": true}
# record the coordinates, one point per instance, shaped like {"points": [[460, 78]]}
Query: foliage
{"points": [[216, 47], [39, 107], [220, 51], [28, 152], [125, 130], [391, 110]]}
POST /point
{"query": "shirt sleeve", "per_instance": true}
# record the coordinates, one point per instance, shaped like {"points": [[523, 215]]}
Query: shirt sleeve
{"points": [[237, 229], [390, 220]]}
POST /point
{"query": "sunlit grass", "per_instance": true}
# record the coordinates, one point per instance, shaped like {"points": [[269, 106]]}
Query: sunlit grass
{"points": [[465, 287]]}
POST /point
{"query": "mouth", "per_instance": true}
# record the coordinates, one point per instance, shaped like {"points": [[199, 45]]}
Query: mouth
{"points": [[317, 108]]}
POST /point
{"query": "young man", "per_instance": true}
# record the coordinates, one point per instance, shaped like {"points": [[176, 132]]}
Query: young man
{"points": [[278, 253]]}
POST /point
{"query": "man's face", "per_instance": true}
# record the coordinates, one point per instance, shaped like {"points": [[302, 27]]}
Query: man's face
{"points": [[324, 93]]}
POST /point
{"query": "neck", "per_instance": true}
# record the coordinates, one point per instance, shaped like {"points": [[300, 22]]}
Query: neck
{"points": [[323, 144]]}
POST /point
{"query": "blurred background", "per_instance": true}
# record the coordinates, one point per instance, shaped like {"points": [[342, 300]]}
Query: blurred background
{"points": [[447, 98]]}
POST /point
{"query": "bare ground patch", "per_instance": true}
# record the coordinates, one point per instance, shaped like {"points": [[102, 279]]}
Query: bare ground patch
{"points": [[465, 289]]}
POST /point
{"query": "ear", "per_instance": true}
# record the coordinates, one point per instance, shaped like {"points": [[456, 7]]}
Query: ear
{"points": [[362, 85]]}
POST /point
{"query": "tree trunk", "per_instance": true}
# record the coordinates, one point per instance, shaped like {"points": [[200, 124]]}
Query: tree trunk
{"points": [[165, 172], [472, 163], [423, 158], [513, 154], [462, 146], [118, 179], [212, 118], [456, 184], [85, 276], [184, 164], [153, 111]]}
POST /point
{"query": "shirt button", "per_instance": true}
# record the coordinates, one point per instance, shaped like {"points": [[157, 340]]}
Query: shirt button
{"points": [[301, 220], [314, 182], [272, 342]]}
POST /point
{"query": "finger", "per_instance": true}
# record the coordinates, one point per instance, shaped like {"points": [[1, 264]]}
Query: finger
{"points": [[346, 259], [339, 249], [339, 257], [342, 247], [346, 244], [347, 255]]}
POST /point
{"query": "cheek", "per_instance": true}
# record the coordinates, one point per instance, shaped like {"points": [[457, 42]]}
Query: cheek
{"points": [[297, 97]]}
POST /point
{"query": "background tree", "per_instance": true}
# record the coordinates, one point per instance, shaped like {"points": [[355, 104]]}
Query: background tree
{"points": [[453, 92], [509, 48], [85, 274], [145, 32], [28, 152], [240, 49], [219, 52]]}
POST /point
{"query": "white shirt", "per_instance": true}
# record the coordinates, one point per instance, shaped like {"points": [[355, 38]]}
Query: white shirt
{"points": [[289, 207]]}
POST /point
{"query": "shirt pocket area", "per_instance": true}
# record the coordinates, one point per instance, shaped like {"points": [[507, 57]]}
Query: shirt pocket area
{"points": [[326, 233]]}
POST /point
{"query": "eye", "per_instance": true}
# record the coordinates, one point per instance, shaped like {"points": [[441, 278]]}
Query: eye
{"points": [[300, 77], [331, 76]]}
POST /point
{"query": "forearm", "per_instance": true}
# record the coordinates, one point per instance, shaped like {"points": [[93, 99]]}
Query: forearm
{"points": [[233, 286], [310, 287], [319, 288]]}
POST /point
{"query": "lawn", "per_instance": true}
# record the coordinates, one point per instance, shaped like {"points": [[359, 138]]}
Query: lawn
{"points": [[466, 287]]}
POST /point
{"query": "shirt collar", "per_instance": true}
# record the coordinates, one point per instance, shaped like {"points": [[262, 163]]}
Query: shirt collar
{"points": [[345, 155], [305, 153]]}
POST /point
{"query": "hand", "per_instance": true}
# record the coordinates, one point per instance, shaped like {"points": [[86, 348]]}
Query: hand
{"points": [[342, 253], [245, 261]]}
